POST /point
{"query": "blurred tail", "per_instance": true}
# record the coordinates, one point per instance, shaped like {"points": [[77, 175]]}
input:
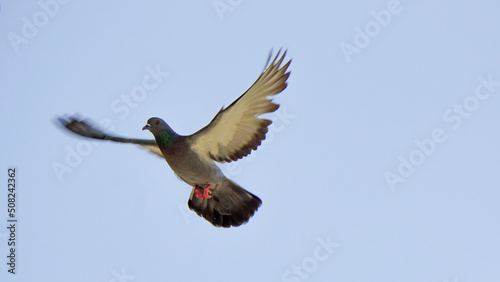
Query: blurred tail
{"points": [[230, 204]]}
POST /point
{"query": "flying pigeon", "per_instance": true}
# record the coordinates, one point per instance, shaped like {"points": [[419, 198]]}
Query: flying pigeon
{"points": [[231, 135]]}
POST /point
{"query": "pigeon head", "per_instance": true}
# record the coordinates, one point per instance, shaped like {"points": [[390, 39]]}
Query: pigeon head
{"points": [[157, 125], [163, 134]]}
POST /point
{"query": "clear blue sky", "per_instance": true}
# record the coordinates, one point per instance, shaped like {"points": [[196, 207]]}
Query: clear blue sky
{"points": [[381, 165]]}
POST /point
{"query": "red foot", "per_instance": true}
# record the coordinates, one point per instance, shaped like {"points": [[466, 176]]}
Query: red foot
{"points": [[205, 194]]}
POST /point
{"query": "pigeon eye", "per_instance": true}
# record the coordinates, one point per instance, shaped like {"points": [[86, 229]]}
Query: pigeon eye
{"points": [[157, 122]]}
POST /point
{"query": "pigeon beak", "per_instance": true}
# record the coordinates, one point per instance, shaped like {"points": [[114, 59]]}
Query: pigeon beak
{"points": [[146, 127]]}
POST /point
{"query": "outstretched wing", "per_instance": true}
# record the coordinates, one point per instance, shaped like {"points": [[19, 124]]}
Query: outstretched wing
{"points": [[237, 130], [83, 128]]}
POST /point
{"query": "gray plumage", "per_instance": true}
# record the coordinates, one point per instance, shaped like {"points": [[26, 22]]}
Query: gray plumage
{"points": [[231, 135]]}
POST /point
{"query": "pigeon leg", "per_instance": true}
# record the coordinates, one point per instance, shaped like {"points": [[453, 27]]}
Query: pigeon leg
{"points": [[197, 192], [207, 192], [203, 193]]}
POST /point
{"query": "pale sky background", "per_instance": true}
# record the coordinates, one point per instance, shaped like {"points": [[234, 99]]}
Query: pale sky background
{"points": [[368, 95]]}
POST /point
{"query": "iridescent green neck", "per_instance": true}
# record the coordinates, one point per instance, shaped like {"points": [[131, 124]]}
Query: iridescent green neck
{"points": [[166, 139]]}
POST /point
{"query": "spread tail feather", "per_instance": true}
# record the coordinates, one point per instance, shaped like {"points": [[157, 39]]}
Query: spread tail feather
{"points": [[230, 205]]}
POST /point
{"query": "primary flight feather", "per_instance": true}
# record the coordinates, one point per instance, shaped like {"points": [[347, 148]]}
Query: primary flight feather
{"points": [[231, 135]]}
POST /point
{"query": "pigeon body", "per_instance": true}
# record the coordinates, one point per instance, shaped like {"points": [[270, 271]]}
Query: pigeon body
{"points": [[189, 166], [232, 134]]}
